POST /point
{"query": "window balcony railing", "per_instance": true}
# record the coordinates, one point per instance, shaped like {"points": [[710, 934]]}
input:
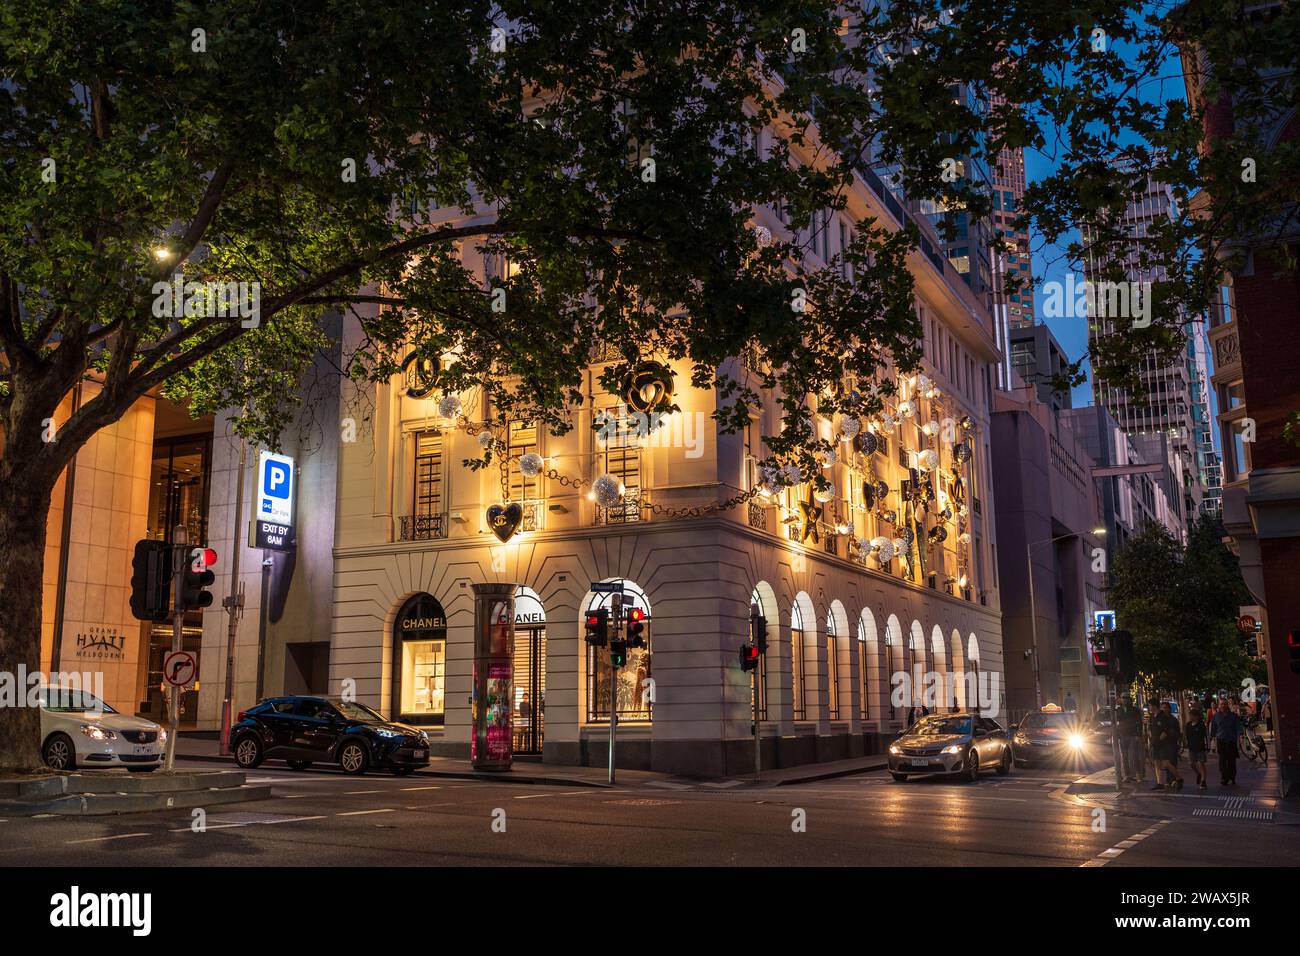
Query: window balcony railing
{"points": [[628, 511], [422, 527]]}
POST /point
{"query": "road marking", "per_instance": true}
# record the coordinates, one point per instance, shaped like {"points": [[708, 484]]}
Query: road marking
{"points": [[411, 789], [297, 796], [534, 796], [353, 793], [269, 823], [358, 813], [1105, 856], [120, 836]]}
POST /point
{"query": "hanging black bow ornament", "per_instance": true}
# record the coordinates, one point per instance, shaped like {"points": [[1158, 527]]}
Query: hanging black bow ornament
{"points": [[868, 494]]}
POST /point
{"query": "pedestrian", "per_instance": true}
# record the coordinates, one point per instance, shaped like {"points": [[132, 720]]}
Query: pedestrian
{"points": [[1166, 736], [1225, 728], [1195, 734], [1266, 711], [1069, 705], [1128, 721]]}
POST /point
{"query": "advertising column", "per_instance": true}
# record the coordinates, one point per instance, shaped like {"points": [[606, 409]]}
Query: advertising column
{"points": [[491, 703]]}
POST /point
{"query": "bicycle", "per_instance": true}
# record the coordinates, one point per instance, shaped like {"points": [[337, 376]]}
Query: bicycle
{"points": [[1251, 744]]}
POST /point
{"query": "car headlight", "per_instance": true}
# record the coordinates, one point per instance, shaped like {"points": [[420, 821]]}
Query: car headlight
{"points": [[952, 749], [1021, 739], [162, 736], [893, 749], [95, 732], [1076, 741], [424, 738], [385, 732]]}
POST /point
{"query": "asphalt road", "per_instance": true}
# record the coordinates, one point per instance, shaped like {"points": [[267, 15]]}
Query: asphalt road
{"points": [[322, 817]]}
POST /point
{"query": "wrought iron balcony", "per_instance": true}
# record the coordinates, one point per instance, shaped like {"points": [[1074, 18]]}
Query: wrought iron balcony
{"points": [[422, 527]]}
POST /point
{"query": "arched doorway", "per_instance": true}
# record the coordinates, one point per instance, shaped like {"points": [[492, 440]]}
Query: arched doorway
{"points": [[868, 661], [420, 662], [762, 602], [530, 672]]}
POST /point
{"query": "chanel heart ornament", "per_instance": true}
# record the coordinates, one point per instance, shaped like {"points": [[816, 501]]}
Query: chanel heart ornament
{"points": [[504, 520]]}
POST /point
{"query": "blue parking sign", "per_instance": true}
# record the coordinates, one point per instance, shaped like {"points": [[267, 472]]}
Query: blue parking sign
{"points": [[275, 488]]}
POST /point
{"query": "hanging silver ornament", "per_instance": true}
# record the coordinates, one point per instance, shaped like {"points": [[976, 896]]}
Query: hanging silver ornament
{"points": [[850, 426], [607, 490], [824, 495], [961, 452], [484, 439], [530, 465], [762, 236], [449, 406], [928, 459]]}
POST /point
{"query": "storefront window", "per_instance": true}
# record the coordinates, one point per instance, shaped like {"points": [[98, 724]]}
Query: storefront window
{"points": [[420, 660], [632, 690]]}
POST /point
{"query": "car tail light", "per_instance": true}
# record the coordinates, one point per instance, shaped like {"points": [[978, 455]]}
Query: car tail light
{"points": [[241, 715]]}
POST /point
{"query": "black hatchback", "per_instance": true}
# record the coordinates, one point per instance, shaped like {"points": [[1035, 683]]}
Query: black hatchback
{"points": [[307, 730]]}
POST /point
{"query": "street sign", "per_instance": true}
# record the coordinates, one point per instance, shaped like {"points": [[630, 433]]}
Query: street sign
{"points": [[180, 668], [273, 536], [1103, 620], [607, 587], [1246, 624], [275, 488]]}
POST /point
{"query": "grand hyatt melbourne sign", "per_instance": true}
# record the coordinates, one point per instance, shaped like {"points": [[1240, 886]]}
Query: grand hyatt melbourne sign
{"points": [[273, 505]]}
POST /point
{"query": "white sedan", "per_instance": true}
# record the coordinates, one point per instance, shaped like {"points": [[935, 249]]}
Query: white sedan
{"points": [[80, 731]]}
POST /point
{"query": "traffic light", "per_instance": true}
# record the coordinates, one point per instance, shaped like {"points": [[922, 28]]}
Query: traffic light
{"points": [[748, 657], [635, 627], [597, 628], [151, 580], [618, 653], [1293, 648], [197, 577], [758, 631], [1122, 666], [1100, 655]]}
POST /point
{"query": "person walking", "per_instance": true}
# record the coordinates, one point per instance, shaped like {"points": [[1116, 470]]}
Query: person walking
{"points": [[1225, 728], [1195, 733], [1069, 705], [1128, 721], [1165, 738]]}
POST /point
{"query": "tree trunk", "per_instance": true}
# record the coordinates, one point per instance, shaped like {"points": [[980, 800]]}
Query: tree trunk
{"points": [[24, 509]]}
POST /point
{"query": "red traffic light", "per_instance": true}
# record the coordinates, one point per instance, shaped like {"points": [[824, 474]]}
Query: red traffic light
{"points": [[202, 558], [635, 615]]}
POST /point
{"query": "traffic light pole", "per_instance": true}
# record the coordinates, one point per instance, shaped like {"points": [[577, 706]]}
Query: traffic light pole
{"points": [[180, 559], [616, 604]]}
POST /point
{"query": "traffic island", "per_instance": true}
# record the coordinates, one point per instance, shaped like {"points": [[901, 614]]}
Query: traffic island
{"points": [[108, 792]]}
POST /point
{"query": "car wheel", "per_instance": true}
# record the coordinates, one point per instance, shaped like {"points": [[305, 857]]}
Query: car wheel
{"points": [[59, 754], [1004, 767], [248, 751], [900, 777], [354, 758], [402, 771], [972, 770], [298, 764]]}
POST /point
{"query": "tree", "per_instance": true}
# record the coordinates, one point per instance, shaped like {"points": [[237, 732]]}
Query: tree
{"points": [[607, 150], [1180, 602]]}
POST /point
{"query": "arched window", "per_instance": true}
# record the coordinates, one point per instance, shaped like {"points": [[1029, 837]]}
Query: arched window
{"points": [[802, 629], [867, 653], [894, 662], [973, 665], [832, 670], [916, 648], [633, 685], [419, 661]]}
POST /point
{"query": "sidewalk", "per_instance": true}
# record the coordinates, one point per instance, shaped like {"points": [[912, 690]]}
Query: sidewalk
{"points": [[529, 772], [1255, 797]]}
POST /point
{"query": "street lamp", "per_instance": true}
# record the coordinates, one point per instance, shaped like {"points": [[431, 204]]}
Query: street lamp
{"points": [[1033, 612]]}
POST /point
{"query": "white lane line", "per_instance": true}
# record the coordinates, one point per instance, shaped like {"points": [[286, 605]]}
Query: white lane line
{"points": [[1105, 856], [353, 793], [267, 823], [358, 813], [534, 796], [412, 789], [297, 796], [120, 836]]}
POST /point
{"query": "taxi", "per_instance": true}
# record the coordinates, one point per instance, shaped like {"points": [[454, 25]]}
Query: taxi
{"points": [[1050, 735]]}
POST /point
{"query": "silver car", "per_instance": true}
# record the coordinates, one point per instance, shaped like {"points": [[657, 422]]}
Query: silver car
{"points": [[961, 743]]}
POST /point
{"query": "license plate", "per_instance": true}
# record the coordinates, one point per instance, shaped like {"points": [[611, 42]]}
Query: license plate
{"points": [[419, 754], [920, 763], [144, 750]]}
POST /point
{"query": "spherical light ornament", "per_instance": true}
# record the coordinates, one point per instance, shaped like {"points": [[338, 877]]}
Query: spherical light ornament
{"points": [[449, 406], [923, 383], [867, 443], [841, 528], [763, 236], [966, 422], [791, 474], [930, 428], [484, 439], [964, 537], [961, 452], [906, 409], [963, 581], [850, 426], [824, 494], [900, 547], [832, 459], [607, 490], [887, 424], [937, 534], [886, 550], [928, 459], [530, 465], [946, 513]]}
